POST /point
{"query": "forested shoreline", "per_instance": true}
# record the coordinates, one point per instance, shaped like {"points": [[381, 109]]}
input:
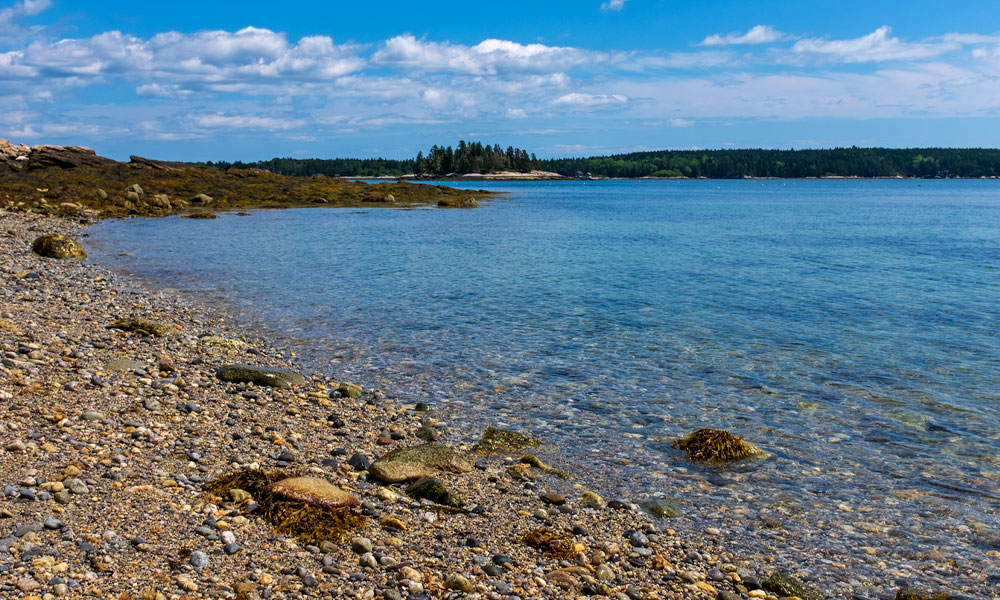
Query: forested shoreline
{"points": [[475, 157]]}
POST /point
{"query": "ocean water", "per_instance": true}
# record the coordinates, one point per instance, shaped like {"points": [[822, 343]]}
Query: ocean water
{"points": [[849, 328]]}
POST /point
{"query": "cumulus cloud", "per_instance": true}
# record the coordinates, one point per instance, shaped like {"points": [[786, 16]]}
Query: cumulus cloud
{"points": [[878, 45], [489, 57], [761, 34], [613, 5]]}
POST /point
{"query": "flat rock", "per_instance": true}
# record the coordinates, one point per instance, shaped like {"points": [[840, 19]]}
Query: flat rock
{"points": [[313, 490], [265, 376], [415, 462], [124, 365], [54, 245], [150, 328]]}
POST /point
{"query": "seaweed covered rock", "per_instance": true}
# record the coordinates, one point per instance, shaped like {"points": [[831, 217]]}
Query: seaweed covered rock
{"points": [[55, 245], [460, 202], [783, 585], [311, 510], [313, 490], [143, 326], [348, 390], [501, 440], [433, 489], [716, 445], [415, 462], [263, 376]]}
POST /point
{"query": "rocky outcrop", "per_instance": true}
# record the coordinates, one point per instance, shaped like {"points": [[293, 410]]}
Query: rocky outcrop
{"points": [[54, 245], [66, 157], [159, 165], [13, 156]]}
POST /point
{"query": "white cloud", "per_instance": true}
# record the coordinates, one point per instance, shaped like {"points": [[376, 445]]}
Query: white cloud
{"points": [[613, 5], [875, 47], [579, 99], [761, 34], [248, 122], [488, 57]]}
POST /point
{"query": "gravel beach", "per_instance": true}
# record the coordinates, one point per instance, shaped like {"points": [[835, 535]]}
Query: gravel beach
{"points": [[115, 415]]}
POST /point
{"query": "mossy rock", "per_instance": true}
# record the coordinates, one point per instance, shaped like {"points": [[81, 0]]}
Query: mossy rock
{"points": [[349, 391], [783, 585], [143, 326], [433, 489], [663, 508], [501, 440], [55, 245], [716, 445], [915, 594], [263, 376], [201, 215], [415, 462]]}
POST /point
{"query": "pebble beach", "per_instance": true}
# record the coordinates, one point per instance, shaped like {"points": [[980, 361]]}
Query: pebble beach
{"points": [[110, 433]]}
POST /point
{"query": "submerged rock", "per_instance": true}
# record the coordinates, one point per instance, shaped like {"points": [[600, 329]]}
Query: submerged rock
{"points": [[54, 245], [419, 461], [265, 376], [501, 440], [783, 585], [313, 490], [661, 507], [716, 445]]}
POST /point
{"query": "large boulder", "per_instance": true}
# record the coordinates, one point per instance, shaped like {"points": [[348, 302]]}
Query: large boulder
{"points": [[65, 157], [55, 245], [142, 326], [263, 376], [415, 462], [313, 490]]}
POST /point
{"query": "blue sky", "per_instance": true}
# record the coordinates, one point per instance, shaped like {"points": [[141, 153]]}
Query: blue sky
{"points": [[224, 80]]}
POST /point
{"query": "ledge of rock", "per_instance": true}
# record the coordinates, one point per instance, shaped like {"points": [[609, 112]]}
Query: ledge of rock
{"points": [[65, 157], [264, 376], [415, 462]]}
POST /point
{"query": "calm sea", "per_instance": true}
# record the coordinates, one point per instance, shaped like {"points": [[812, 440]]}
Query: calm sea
{"points": [[849, 328]]}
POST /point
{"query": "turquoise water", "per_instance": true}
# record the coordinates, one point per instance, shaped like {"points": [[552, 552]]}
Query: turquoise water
{"points": [[850, 328]]}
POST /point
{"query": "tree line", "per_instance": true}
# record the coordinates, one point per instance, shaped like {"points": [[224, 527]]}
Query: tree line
{"points": [[475, 157], [834, 162]]}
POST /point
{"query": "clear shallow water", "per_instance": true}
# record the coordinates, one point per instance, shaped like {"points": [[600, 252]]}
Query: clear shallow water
{"points": [[850, 328]]}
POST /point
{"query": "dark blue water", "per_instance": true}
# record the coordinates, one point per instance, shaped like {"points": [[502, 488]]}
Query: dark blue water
{"points": [[850, 328]]}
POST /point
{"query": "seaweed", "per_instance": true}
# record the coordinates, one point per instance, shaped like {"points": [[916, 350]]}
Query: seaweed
{"points": [[534, 461], [716, 445], [309, 523], [549, 542]]}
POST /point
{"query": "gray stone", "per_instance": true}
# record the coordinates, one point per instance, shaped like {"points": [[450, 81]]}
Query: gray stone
{"points": [[415, 462]]}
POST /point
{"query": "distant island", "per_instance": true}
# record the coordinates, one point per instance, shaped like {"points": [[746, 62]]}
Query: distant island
{"points": [[477, 159]]}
